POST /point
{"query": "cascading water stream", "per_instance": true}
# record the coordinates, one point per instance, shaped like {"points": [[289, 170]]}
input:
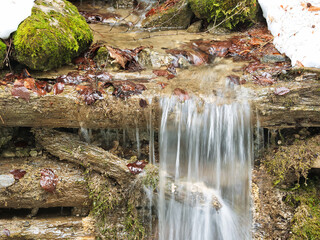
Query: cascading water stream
{"points": [[208, 147]]}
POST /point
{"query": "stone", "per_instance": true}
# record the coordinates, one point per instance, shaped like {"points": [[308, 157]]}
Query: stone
{"points": [[52, 36], [226, 13], [195, 27], [8, 154], [176, 17], [6, 180], [273, 58]]}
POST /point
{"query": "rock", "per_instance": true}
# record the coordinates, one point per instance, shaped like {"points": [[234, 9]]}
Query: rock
{"points": [[195, 27], [220, 11], [103, 60], [53, 35], [273, 58], [3, 52], [217, 30], [6, 180], [176, 17], [8, 154]]}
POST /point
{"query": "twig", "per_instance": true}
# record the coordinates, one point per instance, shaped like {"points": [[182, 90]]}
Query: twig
{"points": [[1, 119]]}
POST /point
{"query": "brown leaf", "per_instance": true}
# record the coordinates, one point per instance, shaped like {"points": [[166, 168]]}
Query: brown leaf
{"points": [[21, 92], [143, 103], [137, 166], [182, 94], [58, 88], [6, 232], [281, 91], [18, 173], [48, 180]]}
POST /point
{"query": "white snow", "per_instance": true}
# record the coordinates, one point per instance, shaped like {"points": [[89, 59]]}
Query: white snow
{"points": [[12, 13], [295, 25]]}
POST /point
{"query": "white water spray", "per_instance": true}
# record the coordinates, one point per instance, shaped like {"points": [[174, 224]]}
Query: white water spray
{"points": [[208, 146]]}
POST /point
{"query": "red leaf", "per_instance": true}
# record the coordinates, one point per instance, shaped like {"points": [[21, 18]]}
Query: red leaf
{"points": [[48, 180], [160, 72], [29, 83], [137, 166], [281, 91], [18, 173], [162, 84], [182, 94], [21, 92], [58, 88], [143, 103]]}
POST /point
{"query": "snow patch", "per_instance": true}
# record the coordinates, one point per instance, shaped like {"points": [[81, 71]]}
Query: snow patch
{"points": [[12, 13], [295, 25]]}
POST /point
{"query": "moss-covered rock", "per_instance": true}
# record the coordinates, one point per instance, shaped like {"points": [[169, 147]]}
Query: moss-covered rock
{"points": [[175, 17], [53, 35], [227, 13], [3, 51]]}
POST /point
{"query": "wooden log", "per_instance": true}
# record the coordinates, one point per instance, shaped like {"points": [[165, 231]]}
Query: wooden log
{"points": [[71, 189], [67, 146], [48, 228], [298, 108]]}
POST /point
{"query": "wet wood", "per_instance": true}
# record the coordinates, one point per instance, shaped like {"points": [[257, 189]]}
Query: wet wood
{"points": [[71, 189], [69, 111], [67, 146], [48, 228], [299, 108]]}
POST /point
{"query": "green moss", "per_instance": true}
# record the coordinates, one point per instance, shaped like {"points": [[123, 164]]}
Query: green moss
{"points": [[47, 40], [230, 13], [151, 177], [289, 163], [3, 52], [177, 17], [133, 226], [306, 220]]}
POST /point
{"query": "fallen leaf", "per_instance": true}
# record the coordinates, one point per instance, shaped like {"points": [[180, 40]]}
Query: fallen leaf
{"points": [[137, 166], [182, 94], [21, 92], [58, 88], [18, 173], [48, 180], [281, 91], [143, 103], [6, 232]]}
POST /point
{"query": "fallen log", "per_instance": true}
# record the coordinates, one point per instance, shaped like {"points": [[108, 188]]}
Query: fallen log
{"points": [[71, 189], [48, 228], [298, 108], [67, 146]]}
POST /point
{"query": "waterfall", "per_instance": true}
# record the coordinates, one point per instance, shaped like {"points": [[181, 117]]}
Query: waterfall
{"points": [[208, 147]]}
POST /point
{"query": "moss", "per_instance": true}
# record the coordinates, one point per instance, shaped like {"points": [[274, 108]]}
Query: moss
{"points": [[289, 163], [151, 177], [133, 226], [3, 52], [49, 39], [306, 220], [230, 13], [177, 17]]}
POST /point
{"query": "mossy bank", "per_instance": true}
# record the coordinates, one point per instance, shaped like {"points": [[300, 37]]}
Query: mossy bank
{"points": [[226, 13], [53, 35], [3, 51]]}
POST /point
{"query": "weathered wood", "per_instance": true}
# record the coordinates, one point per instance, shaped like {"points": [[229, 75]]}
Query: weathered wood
{"points": [[300, 107], [48, 228], [67, 146], [68, 110], [71, 189]]}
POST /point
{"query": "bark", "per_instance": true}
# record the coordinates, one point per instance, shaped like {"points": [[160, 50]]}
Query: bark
{"points": [[300, 107], [71, 189], [48, 228], [68, 147]]}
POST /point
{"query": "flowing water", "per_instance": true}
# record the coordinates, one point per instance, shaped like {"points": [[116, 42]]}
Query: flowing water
{"points": [[207, 148]]}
